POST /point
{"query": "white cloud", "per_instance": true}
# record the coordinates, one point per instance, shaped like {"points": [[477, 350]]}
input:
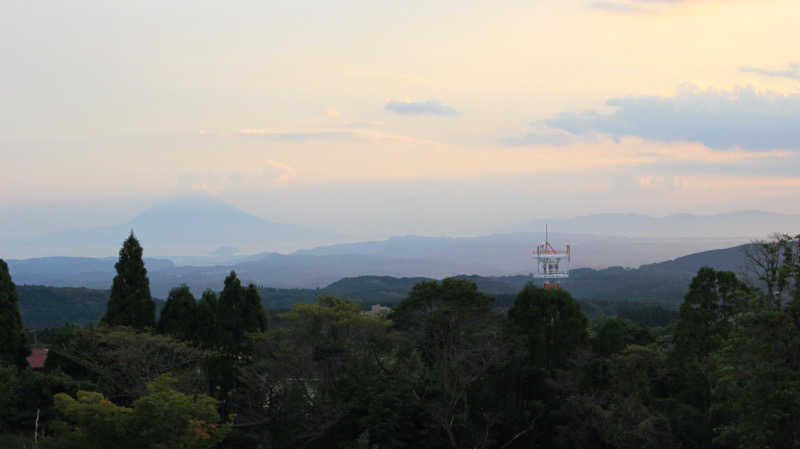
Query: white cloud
{"points": [[744, 118], [432, 107], [792, 71]]}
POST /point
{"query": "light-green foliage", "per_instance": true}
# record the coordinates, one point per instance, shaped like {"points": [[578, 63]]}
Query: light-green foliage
{"points": [[122, 361], [163, 419]]}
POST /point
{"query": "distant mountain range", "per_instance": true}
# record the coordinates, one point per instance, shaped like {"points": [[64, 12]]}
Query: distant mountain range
{"points": [[201, 234], [203, 231], [500, 254], [189, 225], [744, 224], [663, 283], [490, 256]]}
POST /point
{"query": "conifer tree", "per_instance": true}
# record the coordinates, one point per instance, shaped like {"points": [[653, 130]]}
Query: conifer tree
{"points": [[130, 303], [178, 316], [231, 299], [254, 314], [206, 320], [240, 312], [13, 342]]}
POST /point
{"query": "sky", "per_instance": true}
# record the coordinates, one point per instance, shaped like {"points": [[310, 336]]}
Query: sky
{"points": [[377, 118]]}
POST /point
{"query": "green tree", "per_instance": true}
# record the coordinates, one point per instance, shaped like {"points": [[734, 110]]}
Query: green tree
{"points": [[121, 361], [24, 392], [612, 335], [328, 376], [458, 339], [13, 341], [130, 303], [620, 411], [239, 312], [706, 315], [164, 418], [756, 386], [254, 315], [206, 320], [551, 323], [179, 315]]}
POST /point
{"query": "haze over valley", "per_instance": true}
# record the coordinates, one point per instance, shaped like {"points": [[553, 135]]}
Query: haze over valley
{"points": [[196, 240]]}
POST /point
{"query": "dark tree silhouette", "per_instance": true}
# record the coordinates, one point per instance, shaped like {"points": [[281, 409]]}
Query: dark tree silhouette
{"points": [[178, 318], [13, 343], [130, 303], [552, 323], [240, 311]]}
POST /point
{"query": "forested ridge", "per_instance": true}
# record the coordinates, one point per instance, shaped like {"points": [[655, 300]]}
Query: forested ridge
{"points": [[663, 284], [451, 365]]}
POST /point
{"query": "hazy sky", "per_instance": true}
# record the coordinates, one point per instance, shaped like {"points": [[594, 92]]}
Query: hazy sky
{"points": [[379, 118]]}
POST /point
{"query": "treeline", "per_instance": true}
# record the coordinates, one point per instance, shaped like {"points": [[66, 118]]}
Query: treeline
{"points": [[44, 307], [445, 368]]}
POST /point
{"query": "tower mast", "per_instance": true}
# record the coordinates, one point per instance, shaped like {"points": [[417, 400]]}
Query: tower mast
{"points": [[551, 263]]}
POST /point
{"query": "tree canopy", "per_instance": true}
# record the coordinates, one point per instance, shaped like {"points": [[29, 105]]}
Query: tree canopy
{"points": [[13, 342], [239, 311], [178, 317], [130, 303], [163, 418], [551, 322]]}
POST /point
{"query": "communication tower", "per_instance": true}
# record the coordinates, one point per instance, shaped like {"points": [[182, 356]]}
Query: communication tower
{"points": [[552, 263]]}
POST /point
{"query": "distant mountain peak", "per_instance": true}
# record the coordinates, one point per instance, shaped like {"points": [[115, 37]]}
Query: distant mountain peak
{"points": [[192, 207]]}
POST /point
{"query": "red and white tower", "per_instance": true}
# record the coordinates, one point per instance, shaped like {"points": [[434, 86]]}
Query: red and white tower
{"points": [[552, 264]]}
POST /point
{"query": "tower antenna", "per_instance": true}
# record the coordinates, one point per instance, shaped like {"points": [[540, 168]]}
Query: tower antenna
{"points": [[551, 263]]}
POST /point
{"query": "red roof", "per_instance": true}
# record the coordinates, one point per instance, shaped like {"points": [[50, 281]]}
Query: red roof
{"points": [[37, 358]]}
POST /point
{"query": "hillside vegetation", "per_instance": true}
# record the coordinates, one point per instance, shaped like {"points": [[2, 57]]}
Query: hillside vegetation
{"points": [[662, 284]]}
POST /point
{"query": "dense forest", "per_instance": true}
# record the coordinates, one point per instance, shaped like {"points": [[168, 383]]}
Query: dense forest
{"points": [[657, 285], [448, 366]]}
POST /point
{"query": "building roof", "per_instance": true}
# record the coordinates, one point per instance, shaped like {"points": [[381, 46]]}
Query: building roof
{"points": [[37, 358]]}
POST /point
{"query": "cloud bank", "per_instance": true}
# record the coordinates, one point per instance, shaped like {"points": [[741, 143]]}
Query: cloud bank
{"points": [[743, 118], [533, 139], [432, 107], [792, 71], [632, 6], [296, 137], [616, 7]]}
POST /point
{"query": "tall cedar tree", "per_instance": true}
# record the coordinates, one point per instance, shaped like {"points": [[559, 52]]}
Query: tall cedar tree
{"points": [[206, 326], [130, 303], [13, 343], [240, 312], [178, 318]]}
